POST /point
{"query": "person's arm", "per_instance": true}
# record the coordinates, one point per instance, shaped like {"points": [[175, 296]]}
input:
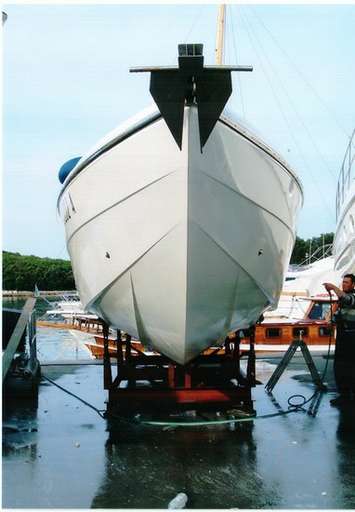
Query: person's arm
{"points": [[331, 287], [346, 299]]}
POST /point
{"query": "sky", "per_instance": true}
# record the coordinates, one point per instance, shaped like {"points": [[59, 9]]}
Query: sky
{"points": [[66, 84]]}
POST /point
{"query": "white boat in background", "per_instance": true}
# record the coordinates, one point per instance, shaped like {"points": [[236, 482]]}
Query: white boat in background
{"points": [[301, 284], [308, 279], [344, 240], [69, 306], [179, 241]]}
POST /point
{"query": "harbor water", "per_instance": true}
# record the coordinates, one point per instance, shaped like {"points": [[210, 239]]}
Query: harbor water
{"points": [[59, 453]]}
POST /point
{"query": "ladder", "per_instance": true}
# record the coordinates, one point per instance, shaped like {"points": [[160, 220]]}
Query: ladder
{"points": [[298, 343]]}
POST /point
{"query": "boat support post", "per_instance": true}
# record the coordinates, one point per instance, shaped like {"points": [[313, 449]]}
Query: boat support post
{"points": [[107, 362]]}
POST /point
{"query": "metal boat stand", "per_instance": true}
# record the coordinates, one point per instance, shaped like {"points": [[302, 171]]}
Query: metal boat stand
{"points": [[21, 370], [298, 343], [151, 382]]}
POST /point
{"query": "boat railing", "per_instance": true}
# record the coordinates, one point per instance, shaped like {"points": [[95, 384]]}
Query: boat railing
{"points": [[346, 174], [323, 251]]}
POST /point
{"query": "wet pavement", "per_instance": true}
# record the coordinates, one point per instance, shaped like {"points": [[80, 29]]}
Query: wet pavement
{"points": [[60, 453]]}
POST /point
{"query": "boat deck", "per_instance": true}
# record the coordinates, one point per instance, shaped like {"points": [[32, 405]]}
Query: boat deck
{"points": [[61, 455]]}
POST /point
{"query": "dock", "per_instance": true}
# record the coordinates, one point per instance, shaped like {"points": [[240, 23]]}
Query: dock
{"points": [[20, 294], [20, 366], [87, 323]]}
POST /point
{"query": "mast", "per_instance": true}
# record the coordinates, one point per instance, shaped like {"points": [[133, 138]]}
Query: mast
{"points": [[219, 51]]}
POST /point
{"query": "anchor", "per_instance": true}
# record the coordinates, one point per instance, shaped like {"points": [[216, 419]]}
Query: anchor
{"points": [[208, 87]]}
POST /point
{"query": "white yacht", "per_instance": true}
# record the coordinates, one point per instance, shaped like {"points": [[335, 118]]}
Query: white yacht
{"points": [[344, 240], [67, 307], [301, 284], [181, 222]]}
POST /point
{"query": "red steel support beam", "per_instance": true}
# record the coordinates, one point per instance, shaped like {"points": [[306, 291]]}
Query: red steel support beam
{"points": [[171, 376], [183, 395], [187, 377]]}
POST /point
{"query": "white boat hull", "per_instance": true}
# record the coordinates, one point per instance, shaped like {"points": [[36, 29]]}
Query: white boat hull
{"points": [[178, 248], [344, 240]]}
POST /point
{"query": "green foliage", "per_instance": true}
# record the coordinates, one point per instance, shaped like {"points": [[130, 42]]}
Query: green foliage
{"points": [[24, 272], [303, 248]]}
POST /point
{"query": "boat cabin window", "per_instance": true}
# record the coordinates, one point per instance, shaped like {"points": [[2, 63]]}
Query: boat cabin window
{"points": [[324, 331], [319, 311], [296, 331], [273, 332]]}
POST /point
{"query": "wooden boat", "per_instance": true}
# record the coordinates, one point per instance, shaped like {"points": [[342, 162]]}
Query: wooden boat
{"points": [[97, 347], [314, 327]]}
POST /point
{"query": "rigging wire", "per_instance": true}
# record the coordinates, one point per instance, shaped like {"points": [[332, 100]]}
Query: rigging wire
{"points": [[299, 118], [328, 209], [239, 80], [197, 18], [299, 72], [331, 172]]}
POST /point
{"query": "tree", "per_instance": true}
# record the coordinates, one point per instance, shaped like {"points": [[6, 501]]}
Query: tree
{"points": [[24, 272]]}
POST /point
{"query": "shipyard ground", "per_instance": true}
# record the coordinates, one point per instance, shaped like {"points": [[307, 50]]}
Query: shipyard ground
{"points": [[59, 454]]}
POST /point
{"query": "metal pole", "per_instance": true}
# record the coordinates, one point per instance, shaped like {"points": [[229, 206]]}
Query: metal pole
{"points": [[251, 358], [107, 362], [236, 353], [119, 352], [128, 348]]}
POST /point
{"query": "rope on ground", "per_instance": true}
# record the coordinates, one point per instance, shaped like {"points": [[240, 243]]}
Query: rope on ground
{"points": [[216, 422], [136, 421], [99, 412]]}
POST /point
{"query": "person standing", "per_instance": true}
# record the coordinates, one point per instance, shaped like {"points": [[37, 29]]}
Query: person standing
{"points": [[344, 357]]}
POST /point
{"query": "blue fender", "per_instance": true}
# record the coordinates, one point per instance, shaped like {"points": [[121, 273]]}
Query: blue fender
{"points": [[66, 168]]}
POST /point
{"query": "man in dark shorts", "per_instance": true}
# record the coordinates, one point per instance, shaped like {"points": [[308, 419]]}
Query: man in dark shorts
{"points": [[344, 358]]}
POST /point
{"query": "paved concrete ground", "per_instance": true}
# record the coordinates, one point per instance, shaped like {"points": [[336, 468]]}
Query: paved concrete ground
{"points": [[60, 454]]}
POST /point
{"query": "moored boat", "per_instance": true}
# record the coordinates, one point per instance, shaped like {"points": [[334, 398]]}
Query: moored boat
{"points": [[314, 327]]}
